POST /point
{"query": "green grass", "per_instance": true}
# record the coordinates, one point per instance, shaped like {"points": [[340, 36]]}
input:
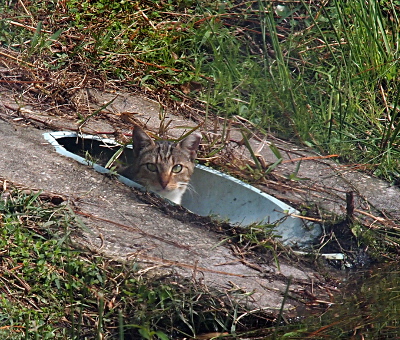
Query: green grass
{"points": [[329, 77], [326, 76], [368, 312]]}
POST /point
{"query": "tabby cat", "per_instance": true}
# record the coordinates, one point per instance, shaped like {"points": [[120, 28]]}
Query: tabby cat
{"points": [[161, 166]]}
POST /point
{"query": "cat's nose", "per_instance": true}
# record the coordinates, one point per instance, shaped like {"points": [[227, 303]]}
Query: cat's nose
{"points": [[164, 180]]}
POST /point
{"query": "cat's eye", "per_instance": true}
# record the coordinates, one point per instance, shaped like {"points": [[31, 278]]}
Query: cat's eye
{"points": [[151, 167], [177, 168]]}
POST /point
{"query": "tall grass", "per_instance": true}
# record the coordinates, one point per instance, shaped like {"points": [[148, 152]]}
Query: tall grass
{"points": [[328, 77], [323, 73], [357, 313], [357, 74]]}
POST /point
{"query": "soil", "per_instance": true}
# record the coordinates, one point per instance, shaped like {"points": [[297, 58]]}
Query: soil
{"points": [[129, 225]]}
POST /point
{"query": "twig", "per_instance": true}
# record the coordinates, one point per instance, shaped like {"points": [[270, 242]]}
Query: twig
{"points": [[133, 228], [189, 266], [20, 61], [145, 17], [30, 28], [26, 11], [23, 81], [310, 158]]}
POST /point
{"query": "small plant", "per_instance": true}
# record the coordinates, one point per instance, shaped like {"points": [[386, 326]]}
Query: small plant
{"points": [[260, 238], [39, 42]]}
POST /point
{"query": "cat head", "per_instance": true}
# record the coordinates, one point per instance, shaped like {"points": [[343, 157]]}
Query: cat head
{"points": [[164, 167]]}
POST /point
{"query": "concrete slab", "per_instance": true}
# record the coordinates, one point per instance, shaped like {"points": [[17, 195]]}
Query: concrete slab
{"points": [[123, 227], [327, 180]]}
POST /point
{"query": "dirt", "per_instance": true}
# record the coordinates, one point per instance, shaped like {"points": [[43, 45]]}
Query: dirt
{"points": [[127, 226]]}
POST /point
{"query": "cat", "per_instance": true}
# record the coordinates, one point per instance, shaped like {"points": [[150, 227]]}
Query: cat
{"points": [[161, 166]]}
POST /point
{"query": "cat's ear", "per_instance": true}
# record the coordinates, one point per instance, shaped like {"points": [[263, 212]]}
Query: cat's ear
{"points": [[140, 139], [191, 143]]}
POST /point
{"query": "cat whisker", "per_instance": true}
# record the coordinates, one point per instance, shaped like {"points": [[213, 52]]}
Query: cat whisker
{"points": [[190, 189]]}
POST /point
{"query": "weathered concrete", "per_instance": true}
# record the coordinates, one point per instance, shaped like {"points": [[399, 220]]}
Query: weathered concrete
{"points": [[328, 181], [125, 228]]}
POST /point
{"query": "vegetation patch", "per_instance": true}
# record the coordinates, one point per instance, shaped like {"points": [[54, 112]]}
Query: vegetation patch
{"points": [[52, 290], [324, 73], [358, 311]]}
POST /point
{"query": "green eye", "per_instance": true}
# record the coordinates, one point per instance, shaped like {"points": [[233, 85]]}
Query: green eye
{"points": [[151, 167], [177, 168]]}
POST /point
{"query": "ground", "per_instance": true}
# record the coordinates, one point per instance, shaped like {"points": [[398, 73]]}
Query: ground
{"points": [[126, 224]]}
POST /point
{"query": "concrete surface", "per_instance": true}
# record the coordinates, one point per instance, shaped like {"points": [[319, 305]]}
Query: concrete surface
{"points": [[125, 227]]}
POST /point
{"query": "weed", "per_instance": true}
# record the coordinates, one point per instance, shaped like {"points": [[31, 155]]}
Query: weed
{"points": [[361, 311], [39, 42]]}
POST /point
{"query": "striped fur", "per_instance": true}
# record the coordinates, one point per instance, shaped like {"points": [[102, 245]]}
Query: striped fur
{"points": [[163, 167]]}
